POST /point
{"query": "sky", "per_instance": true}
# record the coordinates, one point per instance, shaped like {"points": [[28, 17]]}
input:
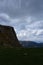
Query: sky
{"points": [[26, 16]]}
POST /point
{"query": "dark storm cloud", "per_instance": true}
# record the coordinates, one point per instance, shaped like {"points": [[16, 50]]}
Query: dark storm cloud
{"points": [[33, 7], [26, 7]]}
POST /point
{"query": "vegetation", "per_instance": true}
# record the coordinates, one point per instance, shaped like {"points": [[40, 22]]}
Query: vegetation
{"points": [[21, 56]]}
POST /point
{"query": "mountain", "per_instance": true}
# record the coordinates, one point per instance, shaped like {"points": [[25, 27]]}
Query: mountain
{"points": [[8, 37], [31, 44]]}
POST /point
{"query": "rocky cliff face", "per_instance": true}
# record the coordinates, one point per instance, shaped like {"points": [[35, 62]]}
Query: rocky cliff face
{"points": [[8, 36]]}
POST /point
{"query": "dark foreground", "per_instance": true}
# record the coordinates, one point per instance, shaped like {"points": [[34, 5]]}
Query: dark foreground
{"points": [[21, 56]]}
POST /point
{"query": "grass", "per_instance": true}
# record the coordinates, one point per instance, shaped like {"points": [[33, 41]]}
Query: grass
{"points": [[21, 56]]}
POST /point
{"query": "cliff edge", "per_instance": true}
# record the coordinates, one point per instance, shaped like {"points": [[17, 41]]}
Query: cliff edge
{"points": [[8, 37]]}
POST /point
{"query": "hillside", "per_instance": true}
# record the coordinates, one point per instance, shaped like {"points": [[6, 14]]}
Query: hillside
{"points": [[8, 37]]}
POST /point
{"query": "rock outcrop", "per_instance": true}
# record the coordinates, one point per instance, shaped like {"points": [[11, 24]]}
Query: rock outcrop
{"points": [[8, 37]]}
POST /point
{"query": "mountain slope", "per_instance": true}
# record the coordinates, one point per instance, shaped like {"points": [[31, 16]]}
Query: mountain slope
{"points": [[8, 36]]}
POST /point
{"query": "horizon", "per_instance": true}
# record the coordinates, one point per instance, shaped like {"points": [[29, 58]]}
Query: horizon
{"points": [[30, 41]]}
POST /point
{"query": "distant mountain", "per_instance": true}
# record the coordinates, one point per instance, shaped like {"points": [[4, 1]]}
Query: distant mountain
{"points": [[31, 44]]}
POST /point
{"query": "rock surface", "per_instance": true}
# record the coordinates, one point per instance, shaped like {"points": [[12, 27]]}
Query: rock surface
{"points": [[8, 37]]}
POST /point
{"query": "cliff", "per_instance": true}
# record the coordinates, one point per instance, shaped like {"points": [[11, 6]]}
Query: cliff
{"points": [[8, 37]]}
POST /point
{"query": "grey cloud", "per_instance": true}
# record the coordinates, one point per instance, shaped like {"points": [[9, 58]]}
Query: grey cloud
{"points": [[27, 15], [28, 7]]}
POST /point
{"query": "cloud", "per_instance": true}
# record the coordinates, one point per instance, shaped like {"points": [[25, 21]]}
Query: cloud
{"points": [[20, 8], [26, 16], [33, 35], [27, 28]]}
